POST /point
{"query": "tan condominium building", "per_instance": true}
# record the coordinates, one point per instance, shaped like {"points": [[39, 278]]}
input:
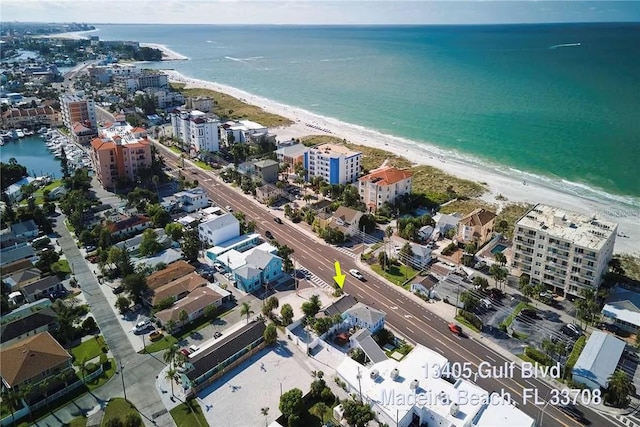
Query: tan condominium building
{"points": [[119, 153], [564, 250], [77, 110], [384, 185]]}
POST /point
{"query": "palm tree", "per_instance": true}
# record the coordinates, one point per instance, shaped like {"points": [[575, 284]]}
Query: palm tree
{"points": [[44, 388], [500, 258], [265, 413], [170, 325], [83, 367], [169, 356], [245, 310], [619, 389], [320, 409], [169, 376], [155, 181], [12, 398]]}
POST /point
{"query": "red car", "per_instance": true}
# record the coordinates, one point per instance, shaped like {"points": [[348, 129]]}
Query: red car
{"points": [[455, 329], [185, 351]]}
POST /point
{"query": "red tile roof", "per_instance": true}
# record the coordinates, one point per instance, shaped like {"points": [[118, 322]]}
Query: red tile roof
{"points": [[387, 176]]}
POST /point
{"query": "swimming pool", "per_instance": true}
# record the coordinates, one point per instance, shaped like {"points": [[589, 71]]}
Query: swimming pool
{"points": [[498, 248]]}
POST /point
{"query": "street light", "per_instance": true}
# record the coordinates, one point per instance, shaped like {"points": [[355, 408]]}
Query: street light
{"points": [[124, 389]]}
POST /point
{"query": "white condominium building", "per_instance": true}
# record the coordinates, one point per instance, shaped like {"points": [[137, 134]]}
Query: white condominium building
{"points": [[564, 250], [335, 163], [198, 130]]}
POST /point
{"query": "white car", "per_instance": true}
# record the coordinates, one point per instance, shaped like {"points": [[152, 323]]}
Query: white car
{"points": [[229, 208], [194, 348], [355, 273], [219, 268], [141, 326]]}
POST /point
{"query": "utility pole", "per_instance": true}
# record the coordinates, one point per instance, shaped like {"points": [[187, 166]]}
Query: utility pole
{"points": [[457, 298], [359, 376], [124, 389]]}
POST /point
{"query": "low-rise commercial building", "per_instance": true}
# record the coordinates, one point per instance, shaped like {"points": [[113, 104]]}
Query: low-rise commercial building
{"points": [[219, 229], [598, 360]]}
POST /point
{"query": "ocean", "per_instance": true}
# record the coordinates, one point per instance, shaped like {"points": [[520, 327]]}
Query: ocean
{"points": [[558, 103]]}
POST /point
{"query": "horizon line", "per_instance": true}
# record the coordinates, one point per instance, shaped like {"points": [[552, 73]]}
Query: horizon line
{"points": [[319, 25]]}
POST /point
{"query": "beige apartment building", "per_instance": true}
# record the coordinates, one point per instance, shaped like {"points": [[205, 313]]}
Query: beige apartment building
{"points": [[564, 250], [77, 110], [119, 152], [384, 185]]}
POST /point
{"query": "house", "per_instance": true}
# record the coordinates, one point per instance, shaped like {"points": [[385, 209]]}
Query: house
{"points": [[623, 307], [266, 192], [291, 155], [14, 267], [335, 163], [25, 229], [16, 254], [193, 304], [32, 360], [223, 355], [22, 277], [340, 306], [198, 131], [267, 170], [476, 227], [344, 219], [364, 316], [14, 191], [178, 288], [192, 199], [164, 257], [128, 225], [425, 232], [446, 222], [362, 339], [598, 360], [42, 320], [219, 229], [43, 288], [172, 272], [384, 185], [421, 255], [133, 244], [260, 269], [25, 310]]}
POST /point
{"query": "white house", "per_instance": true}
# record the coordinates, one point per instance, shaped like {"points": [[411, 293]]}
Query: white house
{"points": [[384, 185], [24, 229], [192, 199], [14, 191], [335, 163], [623, 307], [421, 255], [219, 229], [365, 317], [446, 222]]}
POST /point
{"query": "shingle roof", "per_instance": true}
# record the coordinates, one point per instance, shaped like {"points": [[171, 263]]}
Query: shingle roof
{"points": [[40, 285], [196, 300], [24, 276], [172, 272], [31, 357], [176, 287], [19, 253], [247, 272], [346, 214], [123, 224], [33, 321], [340, 306], [225, 348], [15, 266], [365, 313], [478, 217], [387, 176], [24, 227]]}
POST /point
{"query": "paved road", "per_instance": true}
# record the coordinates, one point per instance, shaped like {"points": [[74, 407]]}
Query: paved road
{"points": [[404, 314], [139, 370]]}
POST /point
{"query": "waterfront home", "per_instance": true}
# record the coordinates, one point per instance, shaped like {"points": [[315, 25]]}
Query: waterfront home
{"points": [[198, 131], [384, 185], [14, 191], [476, 227], [291, 155], [31, 117]]}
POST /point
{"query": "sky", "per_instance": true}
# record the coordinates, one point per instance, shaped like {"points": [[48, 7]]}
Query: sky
{"points": [[318, 11]]}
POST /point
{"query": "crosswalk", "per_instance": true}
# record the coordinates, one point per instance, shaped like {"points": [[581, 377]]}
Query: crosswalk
{"points": [[628, 421], [346, 251], [315, 280]]}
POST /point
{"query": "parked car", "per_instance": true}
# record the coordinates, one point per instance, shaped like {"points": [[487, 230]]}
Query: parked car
{"points": [[141, 326], [486, 304], [185, 352], [355, 273], [194, 348], [229, 208], [631, 355], [118, 289], [496, 293], [571, 330], [546, 295], [155, 335], [480, 265], [219, 268], [278, 220], [90, 248], [455, 329], [217, 334], [268, 235]]}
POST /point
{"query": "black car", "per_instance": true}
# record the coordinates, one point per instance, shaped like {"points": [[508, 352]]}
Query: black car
{"points": [[268, 235], [118, 289], [529, 312], [278, 220], [217, 335]]}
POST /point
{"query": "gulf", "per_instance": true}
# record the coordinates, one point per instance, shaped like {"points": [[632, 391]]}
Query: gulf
{"points": [[554, 101]]}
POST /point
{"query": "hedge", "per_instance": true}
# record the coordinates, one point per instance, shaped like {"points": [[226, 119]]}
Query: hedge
{"points": [[471, 318], [91, 367], [538, 356]]}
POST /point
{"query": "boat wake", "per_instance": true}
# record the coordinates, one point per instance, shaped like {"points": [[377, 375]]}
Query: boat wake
{"points": [[556, 46], [251, 58]]}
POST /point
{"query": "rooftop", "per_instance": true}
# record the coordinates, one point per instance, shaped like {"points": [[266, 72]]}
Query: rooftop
{"points": [[599, 358], [334, 149], [387, 176], [585, 231], [172, 272], [478, 217], [365, 313], [31, 322], [179, 286], [293, 150], [192, 303], [624, 305]]}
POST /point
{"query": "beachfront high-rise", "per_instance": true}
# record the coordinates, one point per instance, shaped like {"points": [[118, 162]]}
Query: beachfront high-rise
{"points": [[384, 185], [77, 110], [335, 163], [119, 153], [566, 251], [198, 131]]}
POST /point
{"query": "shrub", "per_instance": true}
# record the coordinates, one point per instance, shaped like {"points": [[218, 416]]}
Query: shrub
{"points": [[89, 325], [103, 359], [91, 367], [327, 395], [471, 318], [451, 248], [39, 244], [538, 356]]}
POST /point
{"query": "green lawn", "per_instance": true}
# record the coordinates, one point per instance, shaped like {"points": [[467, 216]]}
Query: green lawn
{"points": [[162, 344], [184, 416], [109, 371], [40, 192], [61, 267], [78, 422], [575, 353], [466, 323], [88, 349], [118, 408], [521, 306], [175, 149], [202, 165], [397, 274]]}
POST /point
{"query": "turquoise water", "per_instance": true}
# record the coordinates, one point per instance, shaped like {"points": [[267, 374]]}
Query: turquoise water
{"points": [[32, 153], [555, 103], [498, 248]]}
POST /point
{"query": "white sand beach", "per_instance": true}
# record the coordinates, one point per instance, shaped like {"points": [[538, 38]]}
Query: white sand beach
{"points": [[514, 190], [167, 54]]}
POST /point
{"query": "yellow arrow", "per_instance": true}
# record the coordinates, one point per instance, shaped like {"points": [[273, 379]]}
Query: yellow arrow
{"points": [[339, 277]]}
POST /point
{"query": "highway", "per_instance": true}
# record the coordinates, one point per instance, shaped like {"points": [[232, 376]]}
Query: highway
{"points": [[406, 316]]}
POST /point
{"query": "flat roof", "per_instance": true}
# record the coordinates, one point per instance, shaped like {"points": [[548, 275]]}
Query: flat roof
{"points": [[582, 230], [232, 243], [335, 149]]}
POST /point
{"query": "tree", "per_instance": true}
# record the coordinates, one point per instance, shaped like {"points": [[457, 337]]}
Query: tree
{"points": [[191, 245], [210, 311], [12, 398], [169, 376], [469, 300], [615, 265], [64, 164], [291, 402], [265, 413], [123, 304], [169, 356], [619, 389], [183, 316], [136, 286], [270, 334], [383, 260], [170, 326], [587, 308], [287, 314], [406, 252], [285, 253], [357, 414], [149, 244], [245, 310], [174, 230], [320, 410], [500, 258], [481, 282], [498, 273]]}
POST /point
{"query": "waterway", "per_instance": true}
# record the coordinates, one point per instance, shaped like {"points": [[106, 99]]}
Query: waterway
{"points": [[32, 153]]}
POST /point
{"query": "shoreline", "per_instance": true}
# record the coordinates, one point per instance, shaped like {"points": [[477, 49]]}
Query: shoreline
{"points": [[497, 182]]}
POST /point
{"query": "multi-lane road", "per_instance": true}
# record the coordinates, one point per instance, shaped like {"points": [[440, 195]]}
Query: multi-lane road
{"points": [[405, 315]]}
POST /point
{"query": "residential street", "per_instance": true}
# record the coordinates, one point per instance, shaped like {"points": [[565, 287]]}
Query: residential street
{"points": [[139, 370]]}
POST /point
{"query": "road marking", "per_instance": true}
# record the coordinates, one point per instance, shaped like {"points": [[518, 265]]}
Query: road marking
{"points": [[408, 316], [491, 358], [410, 330], [439, 349], [395, 307], [530, 383]]}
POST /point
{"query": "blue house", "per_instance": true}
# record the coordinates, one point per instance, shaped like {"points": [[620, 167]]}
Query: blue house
{"points": [[261, 268], [364, 317]]}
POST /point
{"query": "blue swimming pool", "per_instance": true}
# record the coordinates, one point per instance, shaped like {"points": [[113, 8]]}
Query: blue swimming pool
{"points": [[498, 248]]}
